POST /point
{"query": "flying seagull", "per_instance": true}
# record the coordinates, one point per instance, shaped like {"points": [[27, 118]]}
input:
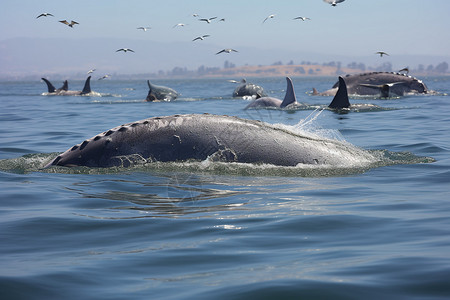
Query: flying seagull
{"points": [[179, 25], [208, 20], [226, 51], [333, 2], [125, 50], [144, 28], [302, 18], [45, 15], [269, 17], [104, 77], [69, 24], [201, 37], [381, 53], [91, 71]]}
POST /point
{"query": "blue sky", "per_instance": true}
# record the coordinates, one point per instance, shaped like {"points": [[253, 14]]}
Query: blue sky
{"points": [[353, 28]]}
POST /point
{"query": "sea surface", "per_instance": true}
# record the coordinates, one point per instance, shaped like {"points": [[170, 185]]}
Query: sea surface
{"points": [[211, 230]]}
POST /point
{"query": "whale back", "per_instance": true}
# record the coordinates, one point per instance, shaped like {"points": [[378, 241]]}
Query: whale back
{"points": [[200, 137]]}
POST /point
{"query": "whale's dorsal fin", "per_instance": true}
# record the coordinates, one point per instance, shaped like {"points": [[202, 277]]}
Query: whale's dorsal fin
{"points": [[50, 87], [289, 98], [340, 100], [150, 96], [65, 86], [87, 86]]}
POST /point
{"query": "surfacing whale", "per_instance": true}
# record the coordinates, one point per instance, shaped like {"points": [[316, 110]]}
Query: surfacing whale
{"points": [[380, 84], [248, 89], [160, 93], [289, 99], [199, 137], [64, 90]]}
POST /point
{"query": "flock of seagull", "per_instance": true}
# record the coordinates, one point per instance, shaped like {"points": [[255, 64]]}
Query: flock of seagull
{"points": [[199, 38]]}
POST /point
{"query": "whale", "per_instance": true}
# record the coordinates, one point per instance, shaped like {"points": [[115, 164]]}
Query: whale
{"points": [[198, 137], [64, 91], [160, 93], [248, 89], [289, 99], [379, 84]]}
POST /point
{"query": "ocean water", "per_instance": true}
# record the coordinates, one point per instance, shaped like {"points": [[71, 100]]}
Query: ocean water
{"points": [[224, 231]]}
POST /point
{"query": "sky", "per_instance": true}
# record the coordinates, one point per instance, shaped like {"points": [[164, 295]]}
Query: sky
{"points": [[353, 29]]}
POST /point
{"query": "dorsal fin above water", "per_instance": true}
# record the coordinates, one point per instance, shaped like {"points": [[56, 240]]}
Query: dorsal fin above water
{"points": [[65, 86], [50, 87], [340, 100], [87, 86], [289, 98]]}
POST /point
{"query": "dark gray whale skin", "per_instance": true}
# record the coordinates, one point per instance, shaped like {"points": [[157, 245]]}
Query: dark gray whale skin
{"points": [[248, 89], [160, 93], [381, 84], [202, 136]]}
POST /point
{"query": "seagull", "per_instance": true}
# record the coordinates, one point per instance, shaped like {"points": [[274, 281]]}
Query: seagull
{"points": [[69, 24], [125, 50], [226, 51], [179, 25], [333, 2], [302, 18], [195, 15], [104, 77], [269, 17], [201, 37], [91, 71], [45, 15], [381, 53], [208, 20], [144, 28], [404, 70]]}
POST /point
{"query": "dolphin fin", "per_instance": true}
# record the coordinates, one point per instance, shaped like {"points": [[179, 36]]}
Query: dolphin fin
{"points": [[289, 98], [65, 86], [87, 86], [150, 97], [50, 87], [340, 100], [315, 92]]}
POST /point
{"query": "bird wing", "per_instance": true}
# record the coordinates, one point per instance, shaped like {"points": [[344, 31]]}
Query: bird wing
{"points": [[73, 22], [64, 22]]}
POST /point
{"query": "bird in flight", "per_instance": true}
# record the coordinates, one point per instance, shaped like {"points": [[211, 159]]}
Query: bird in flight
{"points": [[104, 77], [45, 15], [333, 2], [381, 53], [226, 51], [179, 25], [69, 24], [124, 50], [201, 37], [91, 71], [208, 20], [269, 17], [144, 28], [302, 18]]}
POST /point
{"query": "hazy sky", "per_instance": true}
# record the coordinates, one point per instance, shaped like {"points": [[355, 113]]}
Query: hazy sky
{"points": [[354, 27]]}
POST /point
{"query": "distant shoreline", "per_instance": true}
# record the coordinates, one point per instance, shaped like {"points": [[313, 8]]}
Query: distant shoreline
{"points": [[301, 70]]}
